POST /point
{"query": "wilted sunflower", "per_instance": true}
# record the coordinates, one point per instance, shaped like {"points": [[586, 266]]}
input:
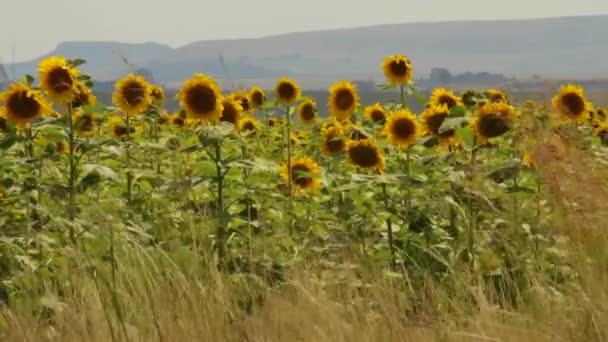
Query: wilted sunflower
{"points": [[58, 78], [287, 90], [497, 96], [118, 127], [571, 103], [232, 111], [493, 120], [402, 128], [307, 111], [157, 94], [432, 119], [333, 141], [83, 96], [200, 97], [305, 174], [84, 122], [397, 69], [343, 100], [248, 125], [132, 95], [376, 113], [257, 97], [22, 104], [365, 154], [442, 96]]}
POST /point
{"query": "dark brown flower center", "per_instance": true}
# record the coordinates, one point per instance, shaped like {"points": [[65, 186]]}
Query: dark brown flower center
{"points": [[497, 97], [60, 80], [229, 114], [85, 123], [133, 93], [307, 113], [403, 128], [398, 68], [434, 122], [201, 99], [286, 91], [300, 175], [334, 144], [573, 103], [244, 101], [345, 99], [258, 98], [364, 156], [249, 126], [179, 121], [157, 94], [23, 106], [494, 125], [448, 101], [378, 116]]}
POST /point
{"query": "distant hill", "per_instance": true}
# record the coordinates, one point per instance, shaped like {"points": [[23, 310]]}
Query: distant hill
{"points": [[572, 47]]}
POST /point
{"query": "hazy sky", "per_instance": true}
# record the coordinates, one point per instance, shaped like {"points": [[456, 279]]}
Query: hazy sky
{"points": [[29, 28]]}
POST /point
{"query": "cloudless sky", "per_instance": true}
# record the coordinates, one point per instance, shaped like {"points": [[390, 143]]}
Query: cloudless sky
{"points": [[29, 28]]}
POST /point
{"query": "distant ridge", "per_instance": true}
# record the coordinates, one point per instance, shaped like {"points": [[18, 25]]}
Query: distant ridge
{"points": [[565, 47]]}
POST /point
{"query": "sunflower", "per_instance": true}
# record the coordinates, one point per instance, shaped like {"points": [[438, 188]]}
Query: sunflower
{"points": [[365, 154], [442, 96], [83, 96], [249, 125], [157, 94], [201, 98], [601, 131], [118, 127], [571, 103], [131, 94], [3, 121], [163, 119], [287, 90], [343, 100], [402, 128], [305, 174], [528, 159], [397, 69], [274, 122], [307, 112], [242, 98], [22, 104], [333, 140], [432, 119], [601, 114], [58, 78], [178, 120], [493, 120], [376, 113], [231, 111], [84, 122], [469, 97], [497, 96], [62, 147], [257, 97]]}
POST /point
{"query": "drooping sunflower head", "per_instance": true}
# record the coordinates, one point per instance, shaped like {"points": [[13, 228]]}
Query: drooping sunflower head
{"points": [[432, 119], [232, 110], [249, 125], [84, 122], [257, 97], [307, 112], [157, 94], [200, 97], [397, 69], [376, 113], [365, 154], [132, 95], [497, 96], [570, 103], [343, 100], [493, 120], [83, 96], [402, 128], [442, 96], [305, 174], [287, 90], [58, 79], [333, 140], [22, 104]]}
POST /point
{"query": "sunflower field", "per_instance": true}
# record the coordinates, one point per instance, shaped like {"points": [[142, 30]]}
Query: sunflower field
{"points": [[248, 216]]}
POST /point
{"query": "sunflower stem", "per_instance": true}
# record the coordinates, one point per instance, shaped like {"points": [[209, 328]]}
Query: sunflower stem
{"points": [[288, 119], [128, 153], [389, 227], [402, 94], [220, 204], [72, 172], [472, 226]]}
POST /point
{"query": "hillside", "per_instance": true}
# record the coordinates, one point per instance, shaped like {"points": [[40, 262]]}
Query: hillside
{"points": [[553, 48]]}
